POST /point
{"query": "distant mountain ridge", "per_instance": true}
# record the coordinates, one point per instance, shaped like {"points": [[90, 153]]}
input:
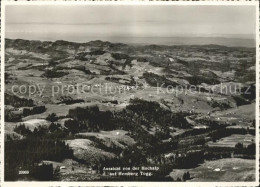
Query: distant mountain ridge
{"points": [[32, 45]]}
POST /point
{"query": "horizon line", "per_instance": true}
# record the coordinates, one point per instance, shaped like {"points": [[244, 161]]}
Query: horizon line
{"points": [[141, 44]]}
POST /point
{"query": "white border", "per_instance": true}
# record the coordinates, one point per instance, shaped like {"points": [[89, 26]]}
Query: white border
{"points": [[129, 183]]}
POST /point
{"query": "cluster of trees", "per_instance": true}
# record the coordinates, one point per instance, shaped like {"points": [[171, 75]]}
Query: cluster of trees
{"points": [[248, 150], [16, 116], [89, 119], [31, 150], [240, 100], [157, 80], [17, 102], [119, 56], [152, 114], [117, 80], [220, 105], [29, 66], [69, 100], [34, 110], [83, 55], [22, 129], [141, 59], [186, 176], [42, 143], [9, 77], [54, 131], [198, 79], [52, 117], [11, 116], [242, 73], [213, 153], [54, 74], [249, 92]]}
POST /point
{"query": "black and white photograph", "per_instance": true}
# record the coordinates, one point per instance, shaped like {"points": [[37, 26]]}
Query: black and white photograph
{"points": [[131, 92]]}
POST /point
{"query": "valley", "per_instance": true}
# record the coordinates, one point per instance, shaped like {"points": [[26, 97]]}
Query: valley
{"points": [[72, 109]]}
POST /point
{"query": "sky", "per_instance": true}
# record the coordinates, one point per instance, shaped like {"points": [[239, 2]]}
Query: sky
{"points": [[63, 21]]}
